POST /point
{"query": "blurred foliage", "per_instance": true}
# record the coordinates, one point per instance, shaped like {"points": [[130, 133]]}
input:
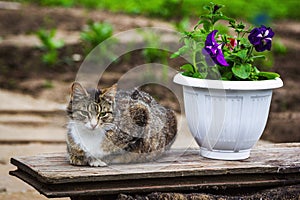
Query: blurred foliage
{"points": [[49, 46], [254, 11], [183, 25], [181, 11], [95, 33], [47, 84], [279, 47], [153, 53]]}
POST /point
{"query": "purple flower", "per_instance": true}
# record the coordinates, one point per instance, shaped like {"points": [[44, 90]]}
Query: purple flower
{"points": [[214, 50], [261, 38]]}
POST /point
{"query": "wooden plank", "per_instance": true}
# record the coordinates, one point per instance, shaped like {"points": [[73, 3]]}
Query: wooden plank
{"points": [[54, 168], [178, 170], [178, 184]]}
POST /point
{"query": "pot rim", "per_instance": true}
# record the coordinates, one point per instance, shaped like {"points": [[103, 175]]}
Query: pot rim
{"points": [[227, 85]]}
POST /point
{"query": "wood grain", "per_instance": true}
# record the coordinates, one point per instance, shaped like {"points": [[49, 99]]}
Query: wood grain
{"points": [[178, 170]]}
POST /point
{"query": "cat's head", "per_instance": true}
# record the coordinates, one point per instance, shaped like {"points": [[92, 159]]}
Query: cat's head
{"points": [[93, 108]]}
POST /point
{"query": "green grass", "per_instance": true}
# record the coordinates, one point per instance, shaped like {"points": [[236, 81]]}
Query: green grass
{"points": [[249, 10]]}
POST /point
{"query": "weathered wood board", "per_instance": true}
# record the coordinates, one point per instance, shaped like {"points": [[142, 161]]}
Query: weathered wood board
{"points": [[177, 171]]}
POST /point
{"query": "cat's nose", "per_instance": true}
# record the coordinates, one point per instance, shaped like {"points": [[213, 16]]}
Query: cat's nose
{"points": [[94, 123], [93, 126]]}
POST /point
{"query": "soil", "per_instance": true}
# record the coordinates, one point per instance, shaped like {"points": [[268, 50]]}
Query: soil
{"points": [[283, 193], [22, 71]]}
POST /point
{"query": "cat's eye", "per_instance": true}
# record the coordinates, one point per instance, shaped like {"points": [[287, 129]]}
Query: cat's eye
{"points": [[103, 114], [84, 113], [81, 112]]}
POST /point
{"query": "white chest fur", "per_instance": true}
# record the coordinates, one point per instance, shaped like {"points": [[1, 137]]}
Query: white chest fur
{"points": [[89, 140]]}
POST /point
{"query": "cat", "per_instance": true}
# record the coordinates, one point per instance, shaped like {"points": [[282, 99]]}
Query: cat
{"points": [[108, 126]]}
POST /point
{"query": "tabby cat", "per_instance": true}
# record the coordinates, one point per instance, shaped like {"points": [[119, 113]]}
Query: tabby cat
{"points": [[116, 126]]}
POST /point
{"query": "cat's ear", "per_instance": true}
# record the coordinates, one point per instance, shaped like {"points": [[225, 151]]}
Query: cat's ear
{"points": [[109, 93], [78, 91]]}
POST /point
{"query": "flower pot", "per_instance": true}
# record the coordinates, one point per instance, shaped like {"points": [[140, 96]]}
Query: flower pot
{"points": [[226, 118]]}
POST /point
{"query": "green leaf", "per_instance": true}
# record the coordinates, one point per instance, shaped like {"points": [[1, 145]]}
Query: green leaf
{"points": [[203, 75], [197, 75], [227, 76], [258, 56], [241, 26], [175, 55], [242, 71], [58, 44], [50, 58], [187, 74], [268, 75], [255, 70], [180, 52], [242, 54], [183, 50], [245, 42], [199, 22], [206, 26], [207, 7], [187, 68], [219, 17], [52, 33]]}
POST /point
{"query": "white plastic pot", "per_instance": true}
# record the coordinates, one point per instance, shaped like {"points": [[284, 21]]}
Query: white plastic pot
{"points": [[226, 118]]}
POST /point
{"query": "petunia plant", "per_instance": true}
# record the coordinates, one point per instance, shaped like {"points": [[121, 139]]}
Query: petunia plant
{"points": [[223, 56]]}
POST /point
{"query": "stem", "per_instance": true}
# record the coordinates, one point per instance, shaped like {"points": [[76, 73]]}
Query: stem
{"points": [[194, 59], [250, 52], [243, 34]]}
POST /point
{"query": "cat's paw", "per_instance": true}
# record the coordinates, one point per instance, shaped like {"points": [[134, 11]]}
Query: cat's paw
{"points": [[77, 160], [97, 163]]}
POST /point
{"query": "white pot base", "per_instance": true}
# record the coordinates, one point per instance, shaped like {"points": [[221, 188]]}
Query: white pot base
{"points": [[225, 155]]}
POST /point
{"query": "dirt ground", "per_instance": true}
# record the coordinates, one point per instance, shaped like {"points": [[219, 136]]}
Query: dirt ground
{"points": [[25, 80]]}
